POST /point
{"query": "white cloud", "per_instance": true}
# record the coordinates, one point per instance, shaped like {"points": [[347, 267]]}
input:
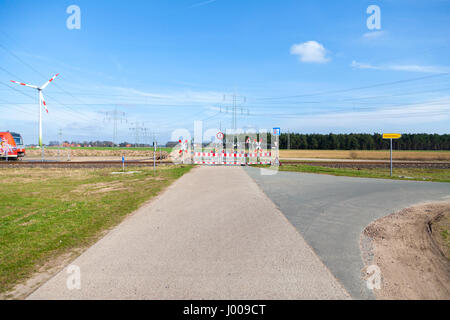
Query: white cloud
{"points": [[395, 67], [416, 68], [310, 51], [361, 65]]}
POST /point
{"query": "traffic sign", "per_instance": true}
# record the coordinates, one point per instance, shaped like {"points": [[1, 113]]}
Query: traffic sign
{"points": [[392, 135], [276, 131], [219, 135]]}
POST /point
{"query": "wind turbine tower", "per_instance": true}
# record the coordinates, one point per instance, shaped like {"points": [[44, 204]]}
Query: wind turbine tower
{"points": [[41, 102]]}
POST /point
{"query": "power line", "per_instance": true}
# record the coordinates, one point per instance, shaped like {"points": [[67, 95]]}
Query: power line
{"points": [[76, 114], [365, 98], [235, 99], [137, 129], [23, 93], [36, 71], [18, 108], [294, 102], [344, 110], [358, 88], [41, 74], [115, 116]]}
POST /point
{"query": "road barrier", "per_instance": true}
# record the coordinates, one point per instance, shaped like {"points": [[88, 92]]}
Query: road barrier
{"points": [[232, 158]]}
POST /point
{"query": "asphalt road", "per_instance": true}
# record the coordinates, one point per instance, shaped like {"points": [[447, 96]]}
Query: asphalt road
{"points": [[212, 235], [331, 212]]}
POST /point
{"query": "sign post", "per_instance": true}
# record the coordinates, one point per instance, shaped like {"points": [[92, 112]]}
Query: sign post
{"points": [[391, 136], [183, 148], [154, 155], [391, 156], [276, 132]]}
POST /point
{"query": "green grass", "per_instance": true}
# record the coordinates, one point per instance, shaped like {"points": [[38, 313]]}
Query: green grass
{"points": [[436, 175], [47, 212]]}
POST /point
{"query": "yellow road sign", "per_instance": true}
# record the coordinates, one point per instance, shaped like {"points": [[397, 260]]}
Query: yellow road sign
{"points": [[392, 135]]}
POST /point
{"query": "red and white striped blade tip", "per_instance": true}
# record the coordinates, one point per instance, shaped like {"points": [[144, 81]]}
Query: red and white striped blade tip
{"points": [[46, 84], [24, 84], [44, 104]]}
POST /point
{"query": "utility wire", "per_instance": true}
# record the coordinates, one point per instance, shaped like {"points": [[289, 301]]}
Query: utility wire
{"points": [[358, 88], [76, 113]]}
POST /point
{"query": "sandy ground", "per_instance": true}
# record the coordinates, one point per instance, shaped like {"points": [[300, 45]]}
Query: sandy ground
{"points": [[213, 234], [407, 247]]}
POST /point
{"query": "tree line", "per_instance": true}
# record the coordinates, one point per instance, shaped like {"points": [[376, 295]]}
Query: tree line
{"points": [[364, 141]]}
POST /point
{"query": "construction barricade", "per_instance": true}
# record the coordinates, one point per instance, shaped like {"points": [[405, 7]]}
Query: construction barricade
{"points": [[259, 158], [235, 158], [208, 158]]}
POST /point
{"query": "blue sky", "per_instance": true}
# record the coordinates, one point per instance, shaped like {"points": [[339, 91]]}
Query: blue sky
{"points": [[307, 66]]}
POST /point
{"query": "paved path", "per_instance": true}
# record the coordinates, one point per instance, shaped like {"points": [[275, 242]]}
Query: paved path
{"points": [[212, 235], [331, 212]]}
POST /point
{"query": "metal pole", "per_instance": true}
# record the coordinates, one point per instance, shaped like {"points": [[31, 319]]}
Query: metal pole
{"points": [[289, 140], [59, 149], [154, 152], [40, 121], [115, 126], [40, 126], [391, 157]]}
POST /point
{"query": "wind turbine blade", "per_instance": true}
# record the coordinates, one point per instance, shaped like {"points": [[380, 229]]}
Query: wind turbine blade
{"points": [[41, 96], [24, 84], [46, 84]]}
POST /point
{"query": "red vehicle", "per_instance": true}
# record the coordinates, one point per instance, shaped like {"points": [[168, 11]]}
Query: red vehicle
{"points": [[19, 144], [8, 147]]}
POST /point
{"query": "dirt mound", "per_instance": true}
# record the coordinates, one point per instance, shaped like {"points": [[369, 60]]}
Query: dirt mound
{"points": [[411, 248]]}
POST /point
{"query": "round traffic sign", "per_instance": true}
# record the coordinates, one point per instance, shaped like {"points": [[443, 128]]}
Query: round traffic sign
{"points": [[219, 135]]}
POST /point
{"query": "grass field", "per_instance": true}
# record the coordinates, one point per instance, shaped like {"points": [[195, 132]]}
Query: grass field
{"points": [[45, 213], [436, 175], [367, 154]]}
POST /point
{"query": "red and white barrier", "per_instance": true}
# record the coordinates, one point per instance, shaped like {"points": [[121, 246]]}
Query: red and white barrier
{"points": [[231, 158], [233, 155]]}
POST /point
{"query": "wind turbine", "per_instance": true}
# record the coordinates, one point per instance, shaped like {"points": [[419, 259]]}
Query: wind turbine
{"points": [[41, 102]]}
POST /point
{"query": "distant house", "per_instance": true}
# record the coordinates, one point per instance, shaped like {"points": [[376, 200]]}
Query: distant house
{"points": [[171, 144]]}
